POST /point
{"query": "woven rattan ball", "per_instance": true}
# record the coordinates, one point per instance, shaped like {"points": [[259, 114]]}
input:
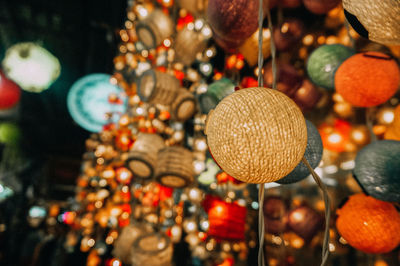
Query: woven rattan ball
{"points": [[367, 79], [257, 135], [368, 224], [324, 61], [377, 169], [313, 155], [320, 6], [377, 20]]}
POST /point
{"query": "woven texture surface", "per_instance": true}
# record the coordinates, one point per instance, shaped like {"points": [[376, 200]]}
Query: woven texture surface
{"points": [[152, 250], [257, 135], [377, 169], [187, 44], [367, 79], [324, 61], [313, 155], [184, 105], [380, 18], [368, 224], [156, 27]]}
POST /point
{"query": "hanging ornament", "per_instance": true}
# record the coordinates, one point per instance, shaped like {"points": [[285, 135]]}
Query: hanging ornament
{"points": [[368, 224], [376, 20], [288, 34], [142, 159], [184, 105], [257, 135], [324, 61], [154, 28], [377, 169], [10, 93], [9, 133], [320, 6], [367, 79], [215, 93], [175, 167], [31, 66], [305, 222], [249, 49], [275, 214], [226, 220], [288, 79], [307, 96], [188, 44], [289, 3], [89, 102], [195, 7], [233, 19], [153, 249], [313, 155]]}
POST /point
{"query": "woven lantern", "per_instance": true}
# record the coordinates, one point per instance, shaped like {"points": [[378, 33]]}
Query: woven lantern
{"points": [[184, 105], [313, 155], [257, 135], [320, 6], [215, 93], [188, 44], [157, 87], [175, 167], [275, 215], [123, 244], [368, 224], [153, 29], [142, 159], [367, 79], [226, 220], [236, 19], [154, 249], [288, 33], [10, 93], [324, 61], [376, 20], [249, 49], [377, 169], [305, 222], [287, 77]]}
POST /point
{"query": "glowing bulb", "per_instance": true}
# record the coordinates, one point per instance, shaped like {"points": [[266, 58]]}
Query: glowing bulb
{"points": [[334, 138]]}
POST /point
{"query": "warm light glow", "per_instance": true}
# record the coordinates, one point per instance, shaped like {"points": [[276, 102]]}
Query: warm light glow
{"points": [[334, 138]]}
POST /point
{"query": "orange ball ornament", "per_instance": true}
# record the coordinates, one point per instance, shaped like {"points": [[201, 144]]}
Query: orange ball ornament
{"points": [[368, 224], [367, 79]]}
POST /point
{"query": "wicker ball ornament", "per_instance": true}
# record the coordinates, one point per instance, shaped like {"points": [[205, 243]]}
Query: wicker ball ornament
{"points": [[367, 79], [324, 61], [377, 169], [378, 21], [368, 224], [313, 155], [257, 135], [320, 6]]}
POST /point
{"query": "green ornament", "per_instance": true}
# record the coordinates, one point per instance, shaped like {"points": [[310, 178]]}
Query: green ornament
{"points": [[215, 93], [9, 133], [324, 61]]}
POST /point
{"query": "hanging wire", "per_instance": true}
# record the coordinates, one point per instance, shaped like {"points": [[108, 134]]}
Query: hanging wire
{"points": [[327, 202]]}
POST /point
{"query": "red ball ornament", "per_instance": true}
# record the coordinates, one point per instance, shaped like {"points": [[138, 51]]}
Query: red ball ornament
{"points": [[368, 224], [288, 33], [367, 79], [10, 93], [320, 7]]}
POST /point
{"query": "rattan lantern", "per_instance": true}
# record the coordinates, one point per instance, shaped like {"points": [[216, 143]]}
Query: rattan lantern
{"points": [[324, 61], [154, 249], [215, 93], [313, 155], [184, 105], [305, 222], [157, 87], [377, 20], [377, 169], [142, 159], [188, 44], [367, 79], [226, 220], [257, 135], [368, 224], [175, 167], [320, 6], [153, 29], [123, 244]]}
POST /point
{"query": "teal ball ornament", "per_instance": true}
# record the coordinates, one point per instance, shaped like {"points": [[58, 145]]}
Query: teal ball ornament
{"points": [[313, 155], [323, 63], [377, 170]]}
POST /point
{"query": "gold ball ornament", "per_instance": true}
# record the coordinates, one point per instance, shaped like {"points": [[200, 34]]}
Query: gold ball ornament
{"points": [[378, 21], [257, 135]]}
